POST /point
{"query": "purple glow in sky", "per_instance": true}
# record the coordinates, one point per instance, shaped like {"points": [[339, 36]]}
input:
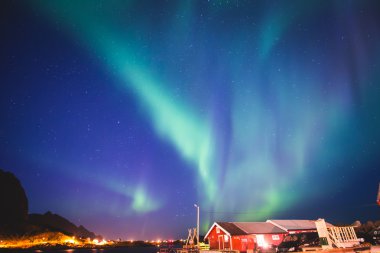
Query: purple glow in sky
{"points": [[120, 115]]}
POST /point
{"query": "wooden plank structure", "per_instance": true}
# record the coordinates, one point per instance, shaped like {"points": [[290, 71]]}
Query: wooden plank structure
{"points": [[340, 237], [343, 237]]}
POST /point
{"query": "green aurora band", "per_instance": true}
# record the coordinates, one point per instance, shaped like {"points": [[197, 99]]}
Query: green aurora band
{"points": [[270, 144], [172, 119]]}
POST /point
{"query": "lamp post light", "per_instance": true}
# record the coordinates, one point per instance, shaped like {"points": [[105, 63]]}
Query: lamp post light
{"points": [[196, 206]]}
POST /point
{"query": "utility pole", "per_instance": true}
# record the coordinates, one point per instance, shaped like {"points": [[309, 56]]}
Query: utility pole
{"points": [[196, 206]]}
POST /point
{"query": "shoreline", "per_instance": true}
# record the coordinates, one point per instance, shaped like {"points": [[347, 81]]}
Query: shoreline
{"points": [[72, 246]]}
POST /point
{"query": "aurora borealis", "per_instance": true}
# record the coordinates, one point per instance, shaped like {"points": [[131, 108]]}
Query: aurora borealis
{"points": [[120, 115]]}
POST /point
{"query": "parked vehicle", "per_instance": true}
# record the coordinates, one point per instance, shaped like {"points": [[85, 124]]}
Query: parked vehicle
{"points": [[296, 242]]}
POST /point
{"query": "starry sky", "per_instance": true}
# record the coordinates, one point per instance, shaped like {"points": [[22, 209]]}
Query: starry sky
{"points": [[121, 115]]}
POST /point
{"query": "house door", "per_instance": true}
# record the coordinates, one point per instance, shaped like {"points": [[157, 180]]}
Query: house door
{"points": [[221, 242], [244, 245], [224, 242]]}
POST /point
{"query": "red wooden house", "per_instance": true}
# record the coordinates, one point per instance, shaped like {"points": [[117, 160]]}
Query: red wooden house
{"points": [[243, 236]]}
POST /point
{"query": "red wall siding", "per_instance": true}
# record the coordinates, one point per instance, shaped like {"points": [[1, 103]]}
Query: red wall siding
{"points": [[213, 238], [240, 242], [271, 238], [243, 242]]}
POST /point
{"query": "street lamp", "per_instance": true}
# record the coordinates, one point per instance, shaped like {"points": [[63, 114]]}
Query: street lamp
{"points": [[196, 206]]}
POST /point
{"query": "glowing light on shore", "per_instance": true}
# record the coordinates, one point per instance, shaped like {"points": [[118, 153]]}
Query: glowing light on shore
{"points": [[98, 242], [71, 241]]}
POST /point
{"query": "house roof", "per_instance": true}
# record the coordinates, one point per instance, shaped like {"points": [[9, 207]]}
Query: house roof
{"points": [[231, 228], [268, 227], [246, 228], [259, 228], [227, 228], [289, 225]]}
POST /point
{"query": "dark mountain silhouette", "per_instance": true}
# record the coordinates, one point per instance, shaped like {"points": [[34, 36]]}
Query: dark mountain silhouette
{"points": [[14, 204], [14, 218], [55, 222]]}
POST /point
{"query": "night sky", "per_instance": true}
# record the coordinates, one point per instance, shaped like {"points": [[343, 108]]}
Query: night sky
{"points": [[121, 115]]}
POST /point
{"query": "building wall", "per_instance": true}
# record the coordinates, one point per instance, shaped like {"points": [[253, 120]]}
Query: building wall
{"points": [[217, 238], [273, 239], [245, 242]]}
